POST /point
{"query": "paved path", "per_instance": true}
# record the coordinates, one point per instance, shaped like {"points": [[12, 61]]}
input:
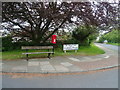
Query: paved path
{"points": [[64, 64]]}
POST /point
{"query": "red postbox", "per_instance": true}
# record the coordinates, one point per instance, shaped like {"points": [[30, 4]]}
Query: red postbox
{"points": [[54, 37]]}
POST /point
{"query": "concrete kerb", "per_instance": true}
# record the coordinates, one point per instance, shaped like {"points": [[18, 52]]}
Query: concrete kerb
{"points": [[102, 68]]}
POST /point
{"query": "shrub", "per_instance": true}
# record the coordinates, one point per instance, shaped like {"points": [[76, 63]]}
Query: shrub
{"points": [[7, 43], [85, 34]]}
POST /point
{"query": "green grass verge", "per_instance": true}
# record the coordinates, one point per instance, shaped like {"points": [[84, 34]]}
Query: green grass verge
{"points": [[118, 44], [83, 51]]}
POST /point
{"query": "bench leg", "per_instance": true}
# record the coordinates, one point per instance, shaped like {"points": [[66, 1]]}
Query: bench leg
{"points": [[27, 57], [53, 54], [49, 55]]}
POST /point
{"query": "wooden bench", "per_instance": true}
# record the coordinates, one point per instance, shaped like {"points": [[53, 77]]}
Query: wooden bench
{"points": [[49, 48]]}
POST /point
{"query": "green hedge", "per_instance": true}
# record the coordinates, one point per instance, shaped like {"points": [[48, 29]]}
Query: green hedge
{"points": [[8, 45]]}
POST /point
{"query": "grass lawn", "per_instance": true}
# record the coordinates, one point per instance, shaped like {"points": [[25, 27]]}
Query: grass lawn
{"points": [[83, 51], [118, 44]]}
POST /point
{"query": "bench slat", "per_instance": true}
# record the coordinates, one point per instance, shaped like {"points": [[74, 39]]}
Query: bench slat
{"points": [[37, 47], [36, 52]]}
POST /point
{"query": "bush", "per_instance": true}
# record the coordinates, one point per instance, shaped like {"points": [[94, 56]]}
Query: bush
{"points": [[7, 43], [84, 35], [74, 41]]}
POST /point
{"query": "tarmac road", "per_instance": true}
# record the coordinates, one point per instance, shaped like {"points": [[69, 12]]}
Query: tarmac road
{"points": [[102, 79], [112, 47]]}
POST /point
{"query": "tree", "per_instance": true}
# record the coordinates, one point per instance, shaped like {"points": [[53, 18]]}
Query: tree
{"points": [[39, 20], [111, 37], [85, 34], [111, 16]]}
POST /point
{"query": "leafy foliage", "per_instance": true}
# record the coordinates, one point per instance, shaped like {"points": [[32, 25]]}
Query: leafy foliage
{"points": [[85, 34], [7, 43], [111, 37], [39, 20]]}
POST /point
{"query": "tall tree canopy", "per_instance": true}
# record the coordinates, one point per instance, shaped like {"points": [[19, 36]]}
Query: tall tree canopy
{"points": [[39, 20]]}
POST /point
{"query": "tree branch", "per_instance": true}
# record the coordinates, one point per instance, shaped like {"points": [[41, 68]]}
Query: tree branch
{"points": [[29, 13], [15, 23], [55, 30]]}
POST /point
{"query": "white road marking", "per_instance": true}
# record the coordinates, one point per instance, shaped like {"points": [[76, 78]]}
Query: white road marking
{"points": [[61, 68], [74, 59], [87, 58], [66, 64], [47, 68], [1, 63], [33, 63], [106, 56], [24, 68], [44, 63]]}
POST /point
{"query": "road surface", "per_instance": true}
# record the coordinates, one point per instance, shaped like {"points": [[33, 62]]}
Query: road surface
{"points": [[104, 79], [112, 47]]}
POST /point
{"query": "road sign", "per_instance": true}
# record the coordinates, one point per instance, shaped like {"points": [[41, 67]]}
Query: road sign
{"points": [[70, 47]]}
